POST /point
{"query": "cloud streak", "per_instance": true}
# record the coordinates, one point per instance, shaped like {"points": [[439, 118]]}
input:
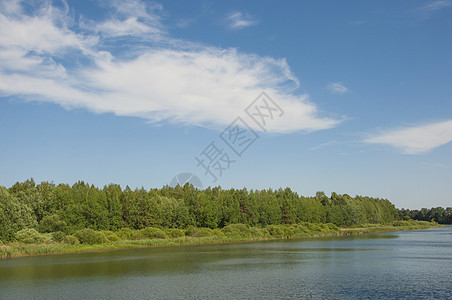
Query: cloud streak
{"points": [[49, 57], [436, 6], [238, 20], [416, 140], [337, 88]]}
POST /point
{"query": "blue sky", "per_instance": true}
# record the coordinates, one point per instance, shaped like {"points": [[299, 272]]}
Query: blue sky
{"points": [[132, 93]]}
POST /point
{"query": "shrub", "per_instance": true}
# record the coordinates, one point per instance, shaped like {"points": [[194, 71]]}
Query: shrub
{"points": [[259, 232], [200, 232], [217, 232], [279, 231], [29, 236], [189, 229], [174, 232], [237, 230], [48, 239], [125, 234], [111, 236], [58, 236], [402, 223], [153, 233], [332, 226], [90, 236], [71, 240]]}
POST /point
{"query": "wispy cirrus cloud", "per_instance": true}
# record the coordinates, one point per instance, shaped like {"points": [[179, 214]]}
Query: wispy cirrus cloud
{"points": [[436, 6], [416, 140], [337, 88], [131, 18], [429, 10], [47, 56], [238, 20]]}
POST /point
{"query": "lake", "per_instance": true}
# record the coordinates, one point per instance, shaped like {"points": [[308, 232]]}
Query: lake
{"points": [[401, 265]]}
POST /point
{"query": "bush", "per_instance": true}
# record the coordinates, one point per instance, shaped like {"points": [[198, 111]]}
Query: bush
{"points": [[217, 232], [237, 231], [48, 239], [153, 233], [174, 233], [90, 236], [279, 231], [29, 236], [332, 227], [402, 223], [200, 232], [58, 236], [111, 236], [125, 234], [71, 240], [259, 232]]}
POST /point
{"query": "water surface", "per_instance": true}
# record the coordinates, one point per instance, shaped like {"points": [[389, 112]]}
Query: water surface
{"points": [[402, 265]]}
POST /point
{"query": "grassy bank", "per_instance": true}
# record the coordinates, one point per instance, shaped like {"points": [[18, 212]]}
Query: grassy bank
{"points": [[30, 242]]}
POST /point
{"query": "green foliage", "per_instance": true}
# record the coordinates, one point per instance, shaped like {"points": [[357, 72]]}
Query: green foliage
{"points": [[111, 236], [125, 233], [72, 208], [71, 240], [153, 233], [128, 234], [217, 232], [437, 214], [174, 232], [200, 232], [52, 223], [14, 215], [237, 231], [90, 236], [29, 236], [411, 223], [243, 231], [279, 231], [58, 236]]}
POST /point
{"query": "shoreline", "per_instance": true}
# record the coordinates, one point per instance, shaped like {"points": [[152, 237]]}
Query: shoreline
{"points": [[24, 250]]}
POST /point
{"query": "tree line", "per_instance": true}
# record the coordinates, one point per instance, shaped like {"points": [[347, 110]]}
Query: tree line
{"points": [[437, 214], [47, 207]]}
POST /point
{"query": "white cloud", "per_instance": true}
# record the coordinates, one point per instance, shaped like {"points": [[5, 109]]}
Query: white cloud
{"points": [[43, 59], [337, 88], [11, 6], [130, 26], [129, 18], [436, 6], [238, 20], [432, 8], [39, 34], [416, 140]]}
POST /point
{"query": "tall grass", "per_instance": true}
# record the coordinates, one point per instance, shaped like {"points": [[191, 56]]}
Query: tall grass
{"points": [[89, 240]]}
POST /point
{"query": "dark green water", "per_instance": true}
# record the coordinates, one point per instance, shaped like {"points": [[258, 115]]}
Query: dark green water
{"points": [[403, 265]]}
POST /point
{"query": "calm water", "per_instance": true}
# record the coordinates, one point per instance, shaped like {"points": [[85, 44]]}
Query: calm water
{"points": [[403, 265]]}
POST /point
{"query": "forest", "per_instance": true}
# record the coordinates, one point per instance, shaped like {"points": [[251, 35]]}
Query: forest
{"points": [[47, 207], [436, 214]]}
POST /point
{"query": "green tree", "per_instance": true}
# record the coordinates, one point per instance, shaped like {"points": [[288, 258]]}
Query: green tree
{"points": [[14, 215]]}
